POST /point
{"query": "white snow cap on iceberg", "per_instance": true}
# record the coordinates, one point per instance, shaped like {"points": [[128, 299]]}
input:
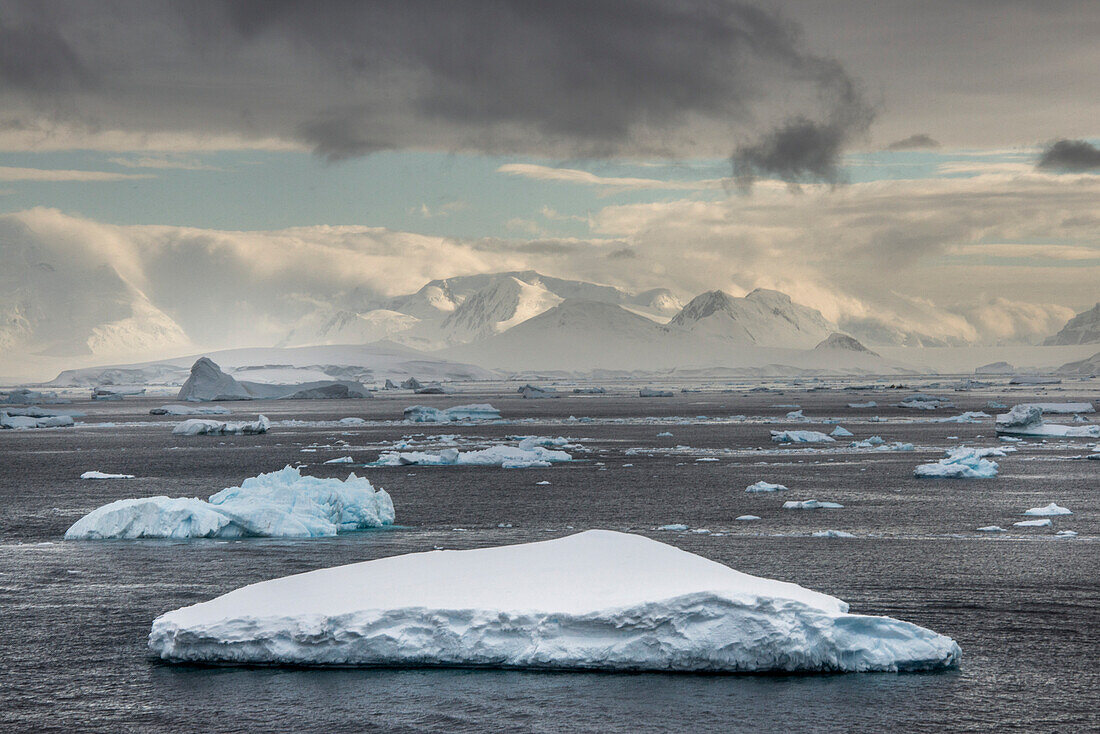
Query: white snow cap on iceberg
{"points": [[282, 504], [594, 600], [473, 412]]}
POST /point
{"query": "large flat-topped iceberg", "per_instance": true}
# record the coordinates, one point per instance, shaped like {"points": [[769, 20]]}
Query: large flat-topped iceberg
{"points": [[595, 600], [281, 504]]}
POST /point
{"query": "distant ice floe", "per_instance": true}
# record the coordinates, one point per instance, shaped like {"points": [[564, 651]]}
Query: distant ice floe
{"points": [[597, 600], [1027, 420], [532, 392], [652, 392], [190, 410], [676, 527], [283, 504], [472, 412], [24, 422], [920, 401], [664, 434], [341, 460], [868, 404], [801, 437], [877, 442], [841, 432], [963, 463], [1034, 380], [351, 421], [832, 534], [970, 416], [1050, 510], [811, 505], [1063, 408], [1033, 523], [763, 486], [1066, 534], [102, 475], [530, 453], [991, 529], [207, 427], [747, 518]]}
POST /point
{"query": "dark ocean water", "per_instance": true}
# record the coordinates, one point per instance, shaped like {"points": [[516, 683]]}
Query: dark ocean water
{"points": [[1024, 606]]}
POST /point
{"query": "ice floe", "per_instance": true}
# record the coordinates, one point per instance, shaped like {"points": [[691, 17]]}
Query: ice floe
{"points": [[971, 416], [962, 463], [282, 504], [676, 526], [190, 410], [341, 460], [991, 529], [24, 422], [103, 475], [811, 505], [207, 427], [868, 404], [594, 600], [1066, 534], [472, 412], [747, 518], [1033, 523], [763, 486], [832, 534], [841, 432], [1050, 510], [801, 437], [529, 453]]}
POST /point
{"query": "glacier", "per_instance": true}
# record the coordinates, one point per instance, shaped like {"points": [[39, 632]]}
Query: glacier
{"points": [[472, 412], [596, 600], [280, 504]]}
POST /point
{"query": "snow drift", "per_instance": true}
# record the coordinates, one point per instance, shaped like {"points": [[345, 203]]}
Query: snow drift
{"points": [[594, 600], [283, 504]]}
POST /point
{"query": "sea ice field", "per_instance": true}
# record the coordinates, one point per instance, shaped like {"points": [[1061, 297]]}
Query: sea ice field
{"points": [[1022, 604]]}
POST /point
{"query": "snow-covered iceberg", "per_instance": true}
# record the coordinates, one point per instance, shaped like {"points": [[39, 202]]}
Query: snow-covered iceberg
{"points": [[283, 504], [962, 463], [472, 412], [1050, 510], [207, 427], [801, 437], [1027, 420], [763, 486], [597, 600]]}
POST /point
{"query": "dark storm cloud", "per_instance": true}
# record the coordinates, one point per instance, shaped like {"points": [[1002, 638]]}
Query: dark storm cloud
{"points": [[914, 142], [1071, 156], [347, 78]]}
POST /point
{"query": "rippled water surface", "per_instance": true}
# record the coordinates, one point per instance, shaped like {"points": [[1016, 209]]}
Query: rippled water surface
{"points": [[1024, 606]]}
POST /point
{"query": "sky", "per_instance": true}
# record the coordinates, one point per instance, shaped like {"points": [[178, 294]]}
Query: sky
{"points": [[931, 165]]}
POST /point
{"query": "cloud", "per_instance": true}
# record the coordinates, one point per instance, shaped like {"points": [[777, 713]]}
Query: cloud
{"points": [[914, 142], [10, 173], [445, 209], [342, 78], [183, 163], [1072, 156], [575, 176]]}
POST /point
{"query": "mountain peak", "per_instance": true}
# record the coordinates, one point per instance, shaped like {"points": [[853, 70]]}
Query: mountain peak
{"points": [[1084, 328], [843, 342]]}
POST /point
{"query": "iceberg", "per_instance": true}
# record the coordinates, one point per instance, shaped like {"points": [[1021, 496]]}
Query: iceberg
{"points": [[597, 600], [207, 382], [29, 421], [472, 412], [920, 401], [190, 410], [282, 504], [811, 505], [528, 454], [763, 486], [747, 518], [971, 416], [1027, 420], [832, 534], [991, 529], [1064, 408], [532, 392], [801, 437], [676, 526], [1066, 534], [341, 460], [841, 432], [652, 392], [1050, 510], [102, 475], [206, 427], [962, 463], [1033, 523], [796, 415]]}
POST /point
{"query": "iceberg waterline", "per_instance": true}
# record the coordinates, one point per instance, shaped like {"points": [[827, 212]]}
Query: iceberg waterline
{"points": [[594, 600], [282, 504]]}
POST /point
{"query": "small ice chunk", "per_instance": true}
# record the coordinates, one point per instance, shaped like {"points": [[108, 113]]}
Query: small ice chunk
{"points": [[811, 505], [664, 434], [1050, 510], [102, 475], [706, 459], [543, 483], [763, 486], [1033, 523], [1066, 534], [991, 529], [674, 526]]}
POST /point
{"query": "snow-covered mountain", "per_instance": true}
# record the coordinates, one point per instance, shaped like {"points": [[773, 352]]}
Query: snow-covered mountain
{"points": [[496, 308], [348, 327], [764, 318], [1084, 328], [842, 342]]}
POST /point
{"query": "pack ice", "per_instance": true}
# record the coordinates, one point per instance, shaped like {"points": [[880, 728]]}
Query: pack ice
{"points": [[283, 504], [1027, 420], [473, 412], [962, 463], [597, 600]]}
